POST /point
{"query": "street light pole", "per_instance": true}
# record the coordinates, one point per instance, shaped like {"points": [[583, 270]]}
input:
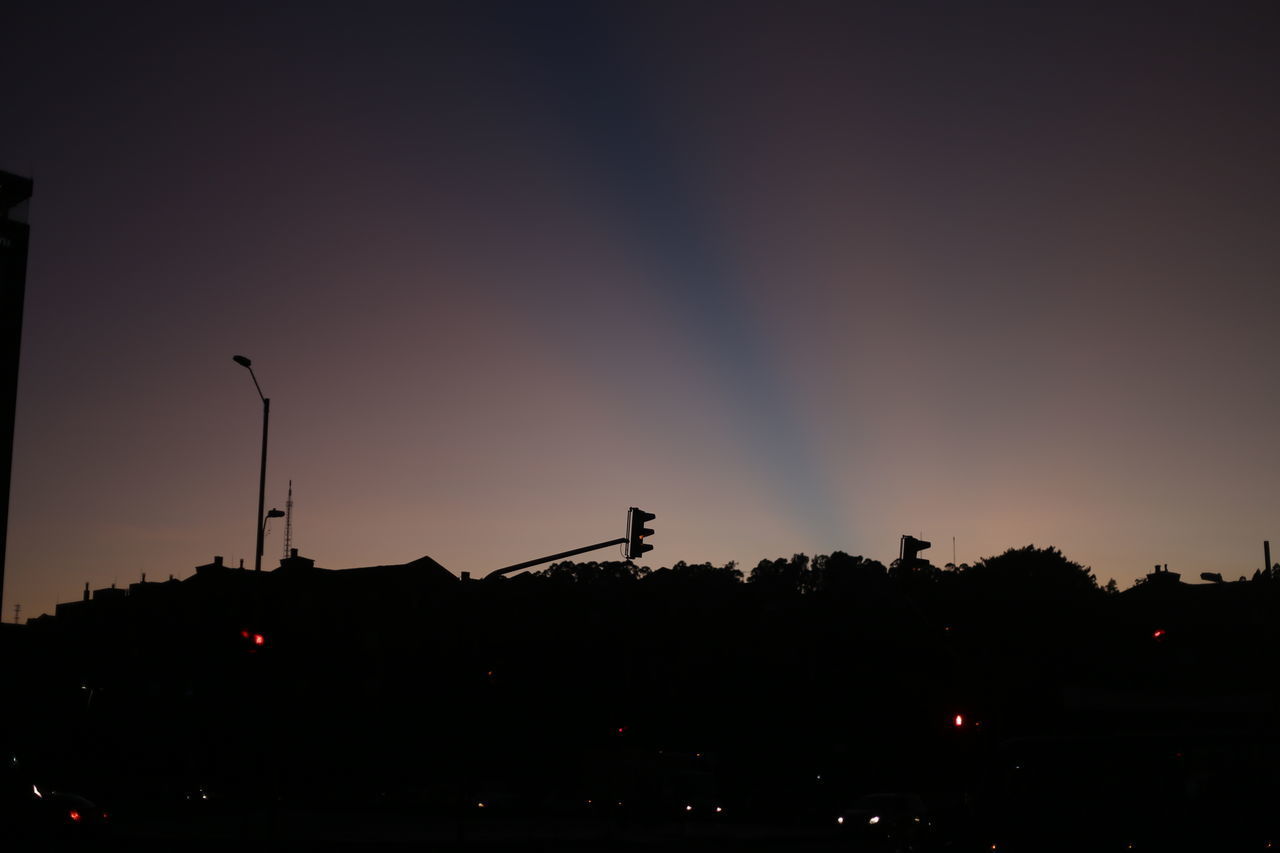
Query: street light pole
{"points": [[260, 522], [262, 483]]}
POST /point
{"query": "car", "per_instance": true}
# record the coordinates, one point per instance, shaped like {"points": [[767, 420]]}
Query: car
{"points": [[33, 811], [896, 820]]}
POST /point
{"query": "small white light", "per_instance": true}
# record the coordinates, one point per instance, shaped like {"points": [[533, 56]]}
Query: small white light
{"points": [[36, 791], [874, 819], [688, 808], [840, 819], [718, 810]]}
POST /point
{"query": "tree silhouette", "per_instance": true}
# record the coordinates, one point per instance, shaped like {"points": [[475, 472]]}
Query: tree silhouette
{"points": [[594, 573], [839, 572], [700, 575], [782, 575], [1031, 574]]}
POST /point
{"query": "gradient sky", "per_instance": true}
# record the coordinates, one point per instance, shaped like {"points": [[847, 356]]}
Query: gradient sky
{"points": [[795, 276]]}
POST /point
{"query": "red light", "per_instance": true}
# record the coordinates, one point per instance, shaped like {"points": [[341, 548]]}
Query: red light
{"points": [[959, 720], [259, 640], [74, 815], [1159, 634]]}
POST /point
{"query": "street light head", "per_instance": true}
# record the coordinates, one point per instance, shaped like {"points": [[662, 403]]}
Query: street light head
{"points": [[242, 361], [276, 513]]}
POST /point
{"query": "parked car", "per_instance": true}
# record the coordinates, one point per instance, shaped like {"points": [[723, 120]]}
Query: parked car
{"points": [[33, 811], [898, 821]]}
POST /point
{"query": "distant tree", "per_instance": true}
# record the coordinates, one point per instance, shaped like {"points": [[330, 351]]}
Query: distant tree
{"points": [[594, 572], [782, 575], [840, 571], [1110, 588], [1031, 573], [728, 573], [699, 575]]}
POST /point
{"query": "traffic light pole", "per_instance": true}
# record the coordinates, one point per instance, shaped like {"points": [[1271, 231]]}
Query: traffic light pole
{"points": [[499, 572]]}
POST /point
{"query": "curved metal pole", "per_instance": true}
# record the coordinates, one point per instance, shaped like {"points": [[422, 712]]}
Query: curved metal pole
{"points": [[260, 523], [497, 573]]}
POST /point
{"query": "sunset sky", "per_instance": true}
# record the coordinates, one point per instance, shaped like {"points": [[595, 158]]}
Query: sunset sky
{"points": [[795, 276]]}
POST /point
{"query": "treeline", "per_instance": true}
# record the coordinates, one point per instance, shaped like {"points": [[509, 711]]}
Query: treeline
{"points": [[1027, 572], [544, 683]]}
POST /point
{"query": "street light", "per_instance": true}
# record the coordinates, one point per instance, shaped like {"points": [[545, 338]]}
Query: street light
{"points": [[259, 523], [273, 513]]}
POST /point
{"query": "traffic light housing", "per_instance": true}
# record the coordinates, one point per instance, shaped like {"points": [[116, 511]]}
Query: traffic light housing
{"points": [[636, 532], [909, 555]]}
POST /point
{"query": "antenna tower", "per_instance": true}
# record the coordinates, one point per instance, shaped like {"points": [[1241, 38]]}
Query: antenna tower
{"points": [[288, 522]]}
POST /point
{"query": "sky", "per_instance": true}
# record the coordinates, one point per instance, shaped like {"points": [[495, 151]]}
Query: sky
{"points": [[794, 276]]}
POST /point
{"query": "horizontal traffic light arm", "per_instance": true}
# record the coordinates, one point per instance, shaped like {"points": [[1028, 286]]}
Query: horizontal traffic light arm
{"points": [[518, 566]]}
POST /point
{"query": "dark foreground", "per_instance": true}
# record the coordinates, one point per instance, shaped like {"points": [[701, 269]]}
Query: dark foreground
{"points": [[284, 828]]}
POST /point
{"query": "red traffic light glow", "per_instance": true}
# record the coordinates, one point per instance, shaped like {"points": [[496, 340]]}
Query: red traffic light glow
{"points": [[959, 720], [1159, 634]]}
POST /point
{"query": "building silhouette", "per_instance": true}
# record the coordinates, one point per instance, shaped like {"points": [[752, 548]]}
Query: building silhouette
{"points": [[216, 592]]}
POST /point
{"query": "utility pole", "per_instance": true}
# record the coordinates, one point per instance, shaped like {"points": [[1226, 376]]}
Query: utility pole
{"points": [[261, 523], [14, 236]]}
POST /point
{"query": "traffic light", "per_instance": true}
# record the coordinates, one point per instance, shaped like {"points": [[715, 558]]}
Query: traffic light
{"points": [[908, 557], [253, 640], [636, 532]]}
